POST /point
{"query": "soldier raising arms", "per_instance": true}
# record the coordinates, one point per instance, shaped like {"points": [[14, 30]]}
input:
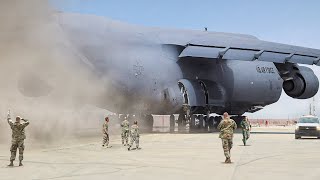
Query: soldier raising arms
{"points": [[226, 127], [18, 137]]}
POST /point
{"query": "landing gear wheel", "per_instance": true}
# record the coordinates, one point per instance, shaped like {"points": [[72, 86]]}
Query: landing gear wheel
{"points": [[172, 123], [201, 123], [147, 124], [211, 124], [217, 120], [192, 124], [181, 122], [206, 123]]}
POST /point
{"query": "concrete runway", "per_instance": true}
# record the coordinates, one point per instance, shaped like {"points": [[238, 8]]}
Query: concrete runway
{"points": [[169, 156]]}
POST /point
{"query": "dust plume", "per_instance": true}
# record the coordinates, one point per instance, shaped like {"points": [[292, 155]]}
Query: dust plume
{"points": [[41, 79]]}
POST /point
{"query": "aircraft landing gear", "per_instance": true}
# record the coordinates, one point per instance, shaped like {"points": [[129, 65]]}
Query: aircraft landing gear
{"points": [[192, 123], [172, 123], [181, 122], [211, 123], [201, 123], [145, 123], [149, 123]]}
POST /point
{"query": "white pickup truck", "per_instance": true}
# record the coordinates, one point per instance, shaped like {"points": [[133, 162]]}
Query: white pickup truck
{"points": [[308, 126]]}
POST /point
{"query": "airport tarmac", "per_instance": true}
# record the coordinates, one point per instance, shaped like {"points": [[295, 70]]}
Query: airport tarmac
{"points": [[170, 156]]}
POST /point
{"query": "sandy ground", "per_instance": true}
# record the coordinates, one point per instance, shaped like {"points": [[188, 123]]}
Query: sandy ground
{"points": [[169, 156]]}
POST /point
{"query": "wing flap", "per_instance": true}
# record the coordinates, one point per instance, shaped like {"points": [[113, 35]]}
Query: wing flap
{"points": [[273, 57], [238, 54], [201, 52], [283, 55], [302, 59]]}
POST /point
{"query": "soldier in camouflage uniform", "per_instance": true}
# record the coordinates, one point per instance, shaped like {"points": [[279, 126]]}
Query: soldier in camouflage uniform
{"points": [[105, 132], [134, 134], [226, 127], [18, 137], [125, 131], [246, 127]]}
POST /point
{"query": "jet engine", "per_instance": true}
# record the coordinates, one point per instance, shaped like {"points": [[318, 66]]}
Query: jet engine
{"points": [[299, 82]]}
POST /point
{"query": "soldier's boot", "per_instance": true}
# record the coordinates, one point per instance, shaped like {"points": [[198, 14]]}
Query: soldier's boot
{"points": [[244, 142], [228, 160], [225, 161], [11, 164], [20, 164], [129, 148]]}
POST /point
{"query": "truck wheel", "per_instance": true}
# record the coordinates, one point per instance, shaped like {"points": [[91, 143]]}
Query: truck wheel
{"points": [[297, 137]]}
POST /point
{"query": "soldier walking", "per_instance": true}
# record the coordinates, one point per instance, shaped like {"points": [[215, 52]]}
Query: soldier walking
{"points": [[135, 135], [105, 132], [125, 132], [226, 127], [18, 137], [246, 128]]}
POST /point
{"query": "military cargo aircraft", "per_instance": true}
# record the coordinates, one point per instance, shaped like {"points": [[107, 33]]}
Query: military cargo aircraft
{"points": [[150, 70]]}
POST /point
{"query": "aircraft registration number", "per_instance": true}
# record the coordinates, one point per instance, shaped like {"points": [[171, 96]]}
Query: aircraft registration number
{"points": [[263, 69]]}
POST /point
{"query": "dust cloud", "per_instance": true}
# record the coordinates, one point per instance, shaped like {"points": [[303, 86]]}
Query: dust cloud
{"points": [[41, 79]]}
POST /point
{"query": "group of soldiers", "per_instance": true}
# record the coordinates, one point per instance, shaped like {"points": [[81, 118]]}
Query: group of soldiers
{"points": [[226, 127], [126, 132]]}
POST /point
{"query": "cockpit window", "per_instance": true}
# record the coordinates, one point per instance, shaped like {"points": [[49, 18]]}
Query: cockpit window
{"points": [[308, 120]]}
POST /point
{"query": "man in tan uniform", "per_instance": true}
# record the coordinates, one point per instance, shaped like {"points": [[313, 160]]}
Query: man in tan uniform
{"points": [[105, 132], [135, 135], [226, 127], [125, 131], [18, 137]]}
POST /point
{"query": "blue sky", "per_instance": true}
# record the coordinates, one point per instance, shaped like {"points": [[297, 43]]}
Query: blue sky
{"points": [[287, 21]]}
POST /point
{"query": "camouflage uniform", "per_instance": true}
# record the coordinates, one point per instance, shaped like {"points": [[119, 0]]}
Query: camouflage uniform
{"points": [[134, 134], [245, 125], [226, 127], [105, 132], [125, 132], [18, 137]]}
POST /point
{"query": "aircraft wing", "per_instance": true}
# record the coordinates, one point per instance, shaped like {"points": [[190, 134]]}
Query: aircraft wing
{"points": [[244, 49]]}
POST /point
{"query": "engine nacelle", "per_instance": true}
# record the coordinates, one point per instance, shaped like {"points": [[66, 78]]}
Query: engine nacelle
{"points": [[300, 83]]}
